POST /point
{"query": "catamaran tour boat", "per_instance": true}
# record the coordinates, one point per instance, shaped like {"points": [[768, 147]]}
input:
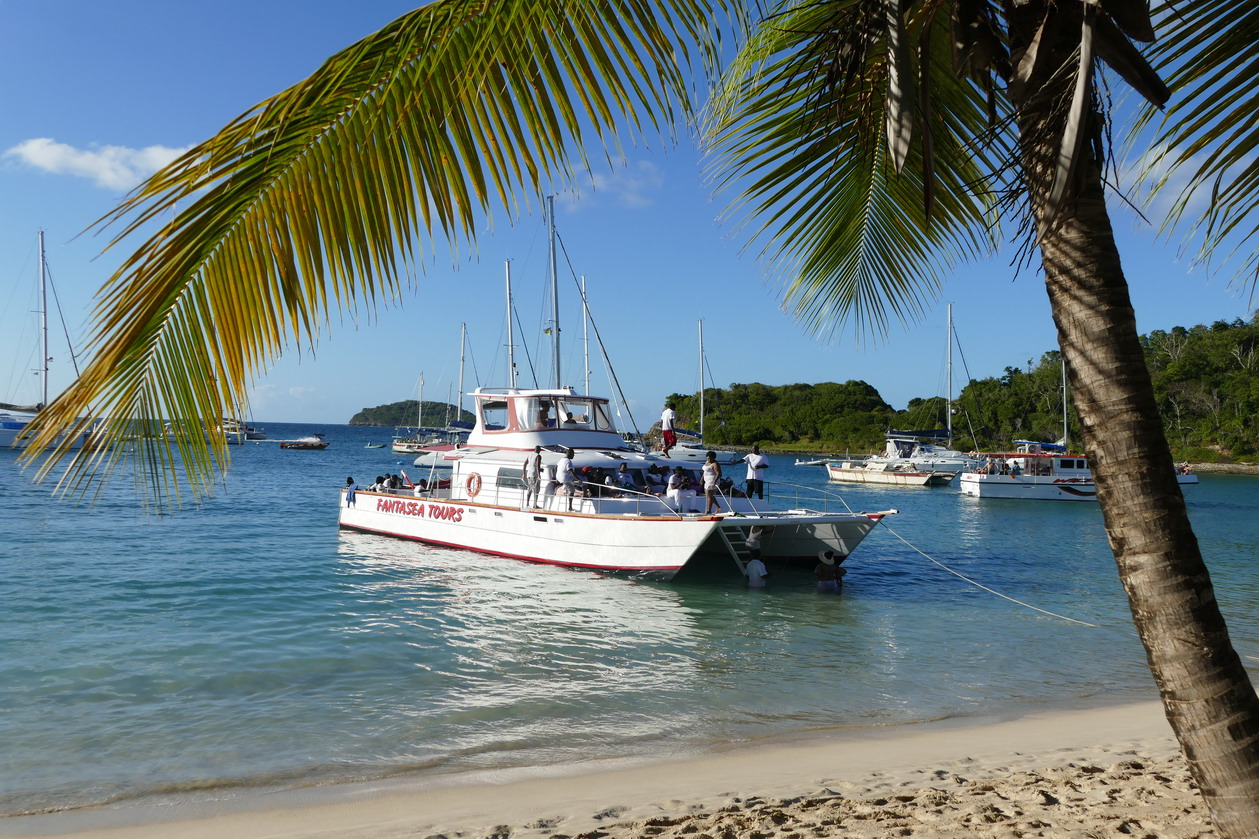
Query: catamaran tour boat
{"points": [[1040, 472], [481, 505]]}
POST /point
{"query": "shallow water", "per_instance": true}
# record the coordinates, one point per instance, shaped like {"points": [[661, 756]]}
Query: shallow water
{"points": [[250, 643]]}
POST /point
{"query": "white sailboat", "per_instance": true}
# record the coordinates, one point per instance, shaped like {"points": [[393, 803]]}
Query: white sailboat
{"points": [[15, 419], [691, 447]]}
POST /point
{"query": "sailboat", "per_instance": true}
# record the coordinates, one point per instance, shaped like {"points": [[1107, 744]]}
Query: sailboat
{"points": [[593, 506], [14, 419], [691, 446], [913, 458]]}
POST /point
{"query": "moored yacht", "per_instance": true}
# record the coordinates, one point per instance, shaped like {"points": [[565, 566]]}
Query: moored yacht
{"points": [[624, 527], [1039, 472]]}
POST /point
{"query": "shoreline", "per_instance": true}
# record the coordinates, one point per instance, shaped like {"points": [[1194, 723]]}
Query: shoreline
{"points": [[1056, 773]]}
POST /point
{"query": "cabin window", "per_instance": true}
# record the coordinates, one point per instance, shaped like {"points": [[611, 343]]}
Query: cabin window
{"points": [[574, 414], [603, 422], [494, 414], [510, 478]]}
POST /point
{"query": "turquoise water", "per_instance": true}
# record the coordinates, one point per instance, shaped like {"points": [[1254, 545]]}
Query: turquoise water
{"points": [[249, 643]]}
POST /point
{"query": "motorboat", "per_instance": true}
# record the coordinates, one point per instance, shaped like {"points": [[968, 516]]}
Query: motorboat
{"points": [[1040, 472], [878, 471], [314, 442], [627, 529], [911, 449], [232, 427]]}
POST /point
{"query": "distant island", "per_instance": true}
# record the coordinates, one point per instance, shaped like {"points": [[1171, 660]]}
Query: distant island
{"points": [[406, 414]]}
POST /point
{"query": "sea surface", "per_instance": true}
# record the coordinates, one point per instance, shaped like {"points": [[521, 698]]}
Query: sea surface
{"points": [[248, 645]]}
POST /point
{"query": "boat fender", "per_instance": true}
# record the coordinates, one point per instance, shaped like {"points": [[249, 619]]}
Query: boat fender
{"points": [[473, 485]]}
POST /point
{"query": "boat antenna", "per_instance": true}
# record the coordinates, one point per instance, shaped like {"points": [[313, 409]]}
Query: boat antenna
{"points": [[555, 297], [511, 343]]}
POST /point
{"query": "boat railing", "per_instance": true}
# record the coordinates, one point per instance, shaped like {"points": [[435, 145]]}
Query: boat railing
{"points": [[779, 494]]}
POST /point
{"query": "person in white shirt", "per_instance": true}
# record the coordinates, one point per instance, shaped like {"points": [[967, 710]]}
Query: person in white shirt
{"points": [[755, 569], [679, 490], [567, 477], [712, 474], [667, 418], [757, 464], [533, 477]]}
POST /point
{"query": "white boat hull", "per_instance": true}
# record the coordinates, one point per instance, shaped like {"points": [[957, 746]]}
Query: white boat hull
{"points": [[855, 473], [611, 535], [1038, 487]]}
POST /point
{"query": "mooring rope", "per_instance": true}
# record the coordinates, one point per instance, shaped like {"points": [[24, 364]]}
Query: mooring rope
{"points": [[984, 587]]}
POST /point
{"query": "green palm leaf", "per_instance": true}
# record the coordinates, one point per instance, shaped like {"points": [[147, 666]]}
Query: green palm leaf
{"points": [[317, 200], [1209, 52], [791, 132]]}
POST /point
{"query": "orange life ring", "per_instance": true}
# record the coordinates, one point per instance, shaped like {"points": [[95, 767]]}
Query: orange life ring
{"points": [[473, 485]]}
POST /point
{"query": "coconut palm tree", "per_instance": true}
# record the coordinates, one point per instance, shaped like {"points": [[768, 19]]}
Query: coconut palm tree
{"points": [[865, 143]]}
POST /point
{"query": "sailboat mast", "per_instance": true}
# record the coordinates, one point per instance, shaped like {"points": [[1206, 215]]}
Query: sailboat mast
{"points": [[555, 296], [701, 380], [43, 323], [948, 375], [511, 341], [463, 334], [1065, 446], [585, 331], [419, 411]]}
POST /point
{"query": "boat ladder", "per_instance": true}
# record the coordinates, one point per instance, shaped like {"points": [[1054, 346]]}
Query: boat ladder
{"points": [[737, 546]]}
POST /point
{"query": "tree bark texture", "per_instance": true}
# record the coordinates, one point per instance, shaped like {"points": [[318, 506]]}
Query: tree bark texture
{"points": [[1206, 692]]}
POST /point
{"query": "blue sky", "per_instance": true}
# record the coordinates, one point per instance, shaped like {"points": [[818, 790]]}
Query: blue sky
{"points": [[96, 94]]}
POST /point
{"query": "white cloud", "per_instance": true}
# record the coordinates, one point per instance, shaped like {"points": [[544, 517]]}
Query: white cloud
{"points": [[110, 167], [632, 185]]}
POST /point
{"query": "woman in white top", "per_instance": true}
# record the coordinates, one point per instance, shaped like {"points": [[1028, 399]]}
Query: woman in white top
{"points": [[712, 474]]}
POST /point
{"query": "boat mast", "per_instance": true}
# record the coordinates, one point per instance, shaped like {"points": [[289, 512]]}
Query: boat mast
{"points": [[419, 411], [463, 334], [43, 323], [701, 380], [948, 400], [585, 331], [1065, 447], [555, 297], [511, 341]]}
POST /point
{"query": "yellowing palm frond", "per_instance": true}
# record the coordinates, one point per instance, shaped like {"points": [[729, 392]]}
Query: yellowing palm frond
{"points": [[313, 201]]}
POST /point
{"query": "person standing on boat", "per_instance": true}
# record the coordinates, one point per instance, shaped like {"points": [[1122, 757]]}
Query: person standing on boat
{"points": [[533, 477], [667, 418], [712, 475], [350, 489], [757, 464], [566, 476]]}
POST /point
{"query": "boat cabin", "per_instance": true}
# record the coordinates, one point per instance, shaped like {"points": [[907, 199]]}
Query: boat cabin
{"points": [[515, 418]]}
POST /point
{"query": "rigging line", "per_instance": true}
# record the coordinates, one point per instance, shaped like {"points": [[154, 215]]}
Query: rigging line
{"points": [[969, 422], [607, 362], [525, 345], [984, 587], [61, 316]]}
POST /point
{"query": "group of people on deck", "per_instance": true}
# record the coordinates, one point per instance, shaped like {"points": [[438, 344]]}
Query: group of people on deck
{"points": [[677, 484]]}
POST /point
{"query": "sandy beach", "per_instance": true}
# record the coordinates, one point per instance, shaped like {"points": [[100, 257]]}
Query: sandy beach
{"points": [[1112, 771]]}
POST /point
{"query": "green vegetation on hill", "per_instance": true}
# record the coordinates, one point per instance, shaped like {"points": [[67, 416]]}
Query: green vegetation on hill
{"points": [[403, 414], [1206, 379]]}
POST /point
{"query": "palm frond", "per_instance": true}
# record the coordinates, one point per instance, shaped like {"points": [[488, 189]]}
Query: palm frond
{"points": [[315, 201], [798, 136], [1209, 52]]}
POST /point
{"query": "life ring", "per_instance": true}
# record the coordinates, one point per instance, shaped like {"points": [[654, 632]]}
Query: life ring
{"points": [[473, 485]]}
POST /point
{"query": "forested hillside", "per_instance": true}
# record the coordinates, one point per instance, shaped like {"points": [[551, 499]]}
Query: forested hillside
{"points": [[1206, 379]]}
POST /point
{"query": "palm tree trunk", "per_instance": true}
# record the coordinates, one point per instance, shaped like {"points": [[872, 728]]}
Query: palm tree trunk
{"points": [[1206, 692]]}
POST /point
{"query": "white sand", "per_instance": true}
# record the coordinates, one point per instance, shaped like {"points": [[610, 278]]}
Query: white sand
{"points": [[1106, 772]]}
